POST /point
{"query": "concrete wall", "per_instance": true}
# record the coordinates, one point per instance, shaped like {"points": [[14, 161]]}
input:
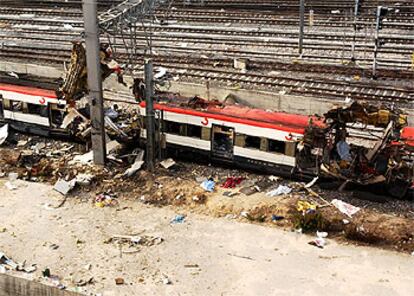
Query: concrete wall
{"points": [[38, 70], [14, 286]]}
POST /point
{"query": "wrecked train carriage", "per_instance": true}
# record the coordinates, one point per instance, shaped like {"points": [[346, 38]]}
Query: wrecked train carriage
{"points": [[273, 142], [33, 110], [230, 134], [42, 112]]}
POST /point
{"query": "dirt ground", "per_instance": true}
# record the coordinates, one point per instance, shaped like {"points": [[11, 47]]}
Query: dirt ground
{"points": [[202, 256]]}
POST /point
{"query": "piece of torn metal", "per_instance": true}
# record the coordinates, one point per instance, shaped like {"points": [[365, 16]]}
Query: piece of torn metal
{"points": [[136, 166], [110, 124], [4, 133], [311, 183]]}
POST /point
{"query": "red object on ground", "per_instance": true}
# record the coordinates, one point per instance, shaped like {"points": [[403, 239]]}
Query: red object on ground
{"points": [[232, 182]]}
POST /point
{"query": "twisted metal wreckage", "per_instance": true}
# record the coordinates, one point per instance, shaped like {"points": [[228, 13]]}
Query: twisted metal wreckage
{"points": [[361, 144]]}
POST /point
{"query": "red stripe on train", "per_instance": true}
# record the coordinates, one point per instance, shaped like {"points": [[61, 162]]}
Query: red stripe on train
{"points": [[30, 91]]}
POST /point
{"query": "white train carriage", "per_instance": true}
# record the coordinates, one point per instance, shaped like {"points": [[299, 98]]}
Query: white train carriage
{"points": [[251, 138], [31, 109]]}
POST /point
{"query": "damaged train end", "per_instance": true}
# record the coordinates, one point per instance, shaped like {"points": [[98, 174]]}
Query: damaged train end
{"points": [[363, 146]]}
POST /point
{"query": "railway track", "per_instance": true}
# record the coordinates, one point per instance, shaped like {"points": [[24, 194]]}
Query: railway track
{"points": [[321, 87], [251, 47], [200, 44], [313, 53], [402, 21], [302, 86]]}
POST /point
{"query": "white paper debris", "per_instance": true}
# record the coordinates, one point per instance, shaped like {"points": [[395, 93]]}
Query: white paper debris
{"points": [[86, 158], [279, 191], [167, 163], [345, 208], [9, 185]]}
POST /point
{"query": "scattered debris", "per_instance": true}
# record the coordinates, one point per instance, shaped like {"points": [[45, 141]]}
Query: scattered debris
{"points": [[86, 158], [277, 218], [232, 182], [279, 191], [191, 266], [166, 280], [167, 163], [249, 190], [239, 256], [105, 200], [9, 185], [84, 179], [311, 183], [139, 161], [178, 219], [144, 240], [320, 241], [7, 263], [83, 282], [345, 208], [208, 185], [64, 187]]}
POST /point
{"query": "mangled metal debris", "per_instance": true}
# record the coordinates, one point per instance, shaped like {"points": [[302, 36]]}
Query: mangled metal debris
{"points": [[360, 145]]}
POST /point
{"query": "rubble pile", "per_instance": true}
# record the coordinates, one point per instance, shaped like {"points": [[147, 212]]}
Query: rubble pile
{"points": [[361, 145]]}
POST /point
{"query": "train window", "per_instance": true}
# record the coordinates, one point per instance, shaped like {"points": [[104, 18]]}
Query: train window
{"points": [[57, 117], [7, 105], [276, 146], [193, 131], [171, 127], [38, 110], [252, 142], [16, 106]]}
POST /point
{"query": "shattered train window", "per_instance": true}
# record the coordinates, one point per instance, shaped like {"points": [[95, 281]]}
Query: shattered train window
{"points": [[252, 142], [193, 131], [171, 127], [15, 106], [276, 146], [37, 109]]}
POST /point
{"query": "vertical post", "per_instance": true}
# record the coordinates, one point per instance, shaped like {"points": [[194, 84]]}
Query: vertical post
{"points": [[301, 25], [356, 12], [150, 116], [376, 45], [94, 81]]}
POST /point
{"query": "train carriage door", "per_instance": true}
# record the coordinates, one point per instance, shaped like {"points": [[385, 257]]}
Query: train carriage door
{"points": [[222, 142]]}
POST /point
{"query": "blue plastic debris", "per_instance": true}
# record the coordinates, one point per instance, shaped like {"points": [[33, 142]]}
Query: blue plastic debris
{"points": [[178, 219], [277, 218], [208, 185]]}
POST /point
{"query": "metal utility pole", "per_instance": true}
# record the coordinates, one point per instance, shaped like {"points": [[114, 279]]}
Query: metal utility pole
{"points": [[381, 13], [301, 25], [356, 12], [150, 115], [94, 81]]}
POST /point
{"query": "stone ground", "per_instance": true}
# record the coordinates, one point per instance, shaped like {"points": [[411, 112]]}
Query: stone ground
{"points": [[202, 256]]}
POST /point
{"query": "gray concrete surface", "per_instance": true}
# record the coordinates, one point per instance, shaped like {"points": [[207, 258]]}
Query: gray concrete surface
{"points": [[234, 258]]}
